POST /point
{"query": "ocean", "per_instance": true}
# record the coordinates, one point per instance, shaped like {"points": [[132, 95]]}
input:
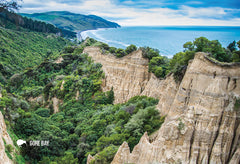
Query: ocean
{"points": [[167, 39]]}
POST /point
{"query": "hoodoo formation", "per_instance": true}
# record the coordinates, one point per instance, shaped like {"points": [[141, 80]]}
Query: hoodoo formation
{"points": [[202, 123]]}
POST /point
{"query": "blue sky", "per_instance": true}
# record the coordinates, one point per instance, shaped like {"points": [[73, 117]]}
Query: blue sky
{"points": [[177, 4], [147, 12]]}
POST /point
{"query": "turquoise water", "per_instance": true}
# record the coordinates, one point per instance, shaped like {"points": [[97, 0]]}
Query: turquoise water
{"points": [[168, 40]]}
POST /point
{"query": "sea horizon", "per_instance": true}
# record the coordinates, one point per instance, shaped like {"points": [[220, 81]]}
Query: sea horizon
{"points": [[167, 39]]}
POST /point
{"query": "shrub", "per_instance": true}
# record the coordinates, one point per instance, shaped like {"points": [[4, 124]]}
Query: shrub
{"points": [[180, 125], [24, 105], [178, 73], [158, 66], [236, 56], [19, 159], [16, 80], [104, 46], [120, 52], [106, 156], [149, 53], [158, 71], [130, 49], [112, 50], [67, 159], [9, 148], [69, 49], [43, 112], [9, 155], [78, 50]]}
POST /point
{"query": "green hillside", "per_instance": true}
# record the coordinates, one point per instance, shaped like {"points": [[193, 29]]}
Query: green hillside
{"points": [[73, 22], [22, 48], [14, 21], [37, 67], [86, 124]]}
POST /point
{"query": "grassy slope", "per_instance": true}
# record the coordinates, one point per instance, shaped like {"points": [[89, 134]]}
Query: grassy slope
{"points": [[74, 22]]}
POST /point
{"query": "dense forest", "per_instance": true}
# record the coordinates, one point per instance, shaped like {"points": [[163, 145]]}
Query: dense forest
{"points": [[85, 123], [6, 17], [18, 47], [27, 23]]}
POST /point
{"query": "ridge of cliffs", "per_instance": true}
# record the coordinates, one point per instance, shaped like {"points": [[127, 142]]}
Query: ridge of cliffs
{"points": [[128, 75], [202, 123]]}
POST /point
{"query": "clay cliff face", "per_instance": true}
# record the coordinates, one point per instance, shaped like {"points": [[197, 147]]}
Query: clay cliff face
{"points": [[127, 75], [202, 124], [4, 135], [164, 90]]}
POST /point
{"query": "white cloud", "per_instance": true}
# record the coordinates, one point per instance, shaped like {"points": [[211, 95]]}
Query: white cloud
{"points": [[128, 2], [204, 12], [130, 16]]}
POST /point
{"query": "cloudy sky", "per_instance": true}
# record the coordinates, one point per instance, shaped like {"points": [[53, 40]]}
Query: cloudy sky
{"points": [[147, 12]]}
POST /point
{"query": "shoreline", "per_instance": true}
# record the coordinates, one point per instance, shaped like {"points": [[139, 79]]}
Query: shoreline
{"points": [[80, 36], [168, 40]]}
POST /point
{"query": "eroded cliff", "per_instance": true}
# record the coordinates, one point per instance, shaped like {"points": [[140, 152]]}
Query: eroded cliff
{"points": [[4, 137], [202, 124], [127, 75]]}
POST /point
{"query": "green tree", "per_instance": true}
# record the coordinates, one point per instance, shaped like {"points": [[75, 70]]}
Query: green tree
{"points": [[9, 5], [130, 49], [43, 112], [156, 61], [177, 58], [105, 46], [202, 44], [158, 65], [120, 52], [232, 46], [32, 124], [110, 96], [238, 43], [158, 71], [178, 64], [214, 48], [106, 155], [218, 52], [112, 50], [9, 148], [67, 159], [236, 54], [45, 160], [149, 53], [188, 46]]}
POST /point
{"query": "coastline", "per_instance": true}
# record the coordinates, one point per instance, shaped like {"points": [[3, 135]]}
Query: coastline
{"points": [[81, 35], [167, 39], [93, 34]]}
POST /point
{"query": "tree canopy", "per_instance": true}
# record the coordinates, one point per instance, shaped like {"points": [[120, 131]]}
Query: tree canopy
{"points": [[9, 5]]}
